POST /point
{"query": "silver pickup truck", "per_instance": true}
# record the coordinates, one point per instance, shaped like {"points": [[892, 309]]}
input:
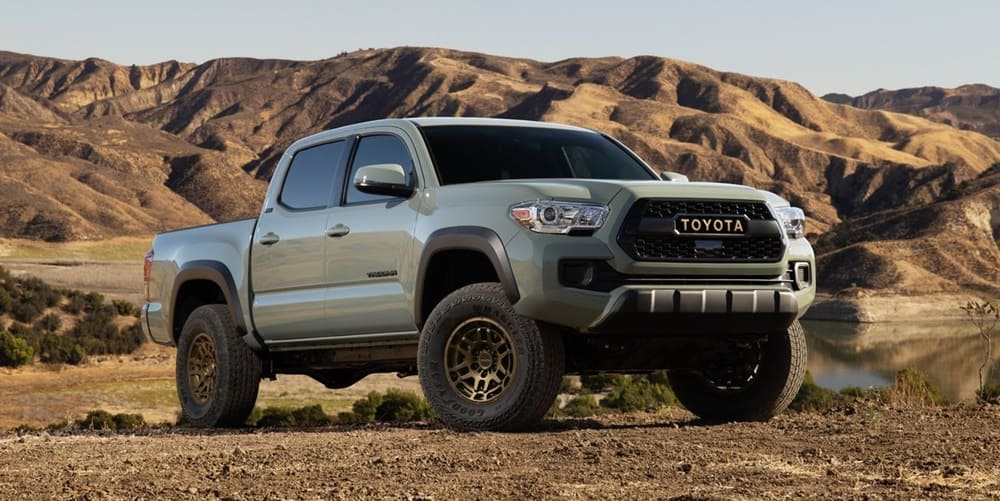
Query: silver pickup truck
{"points": [[489, 257]]}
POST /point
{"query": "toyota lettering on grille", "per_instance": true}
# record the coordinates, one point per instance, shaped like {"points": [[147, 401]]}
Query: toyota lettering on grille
{"points": [[710, 225]]}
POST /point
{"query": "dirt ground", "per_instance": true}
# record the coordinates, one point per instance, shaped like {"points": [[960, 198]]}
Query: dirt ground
{"points": [[948, 453]]}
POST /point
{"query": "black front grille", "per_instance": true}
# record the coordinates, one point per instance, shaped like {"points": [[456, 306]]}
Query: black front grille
{"points": [[658, 248], [666, 209], [648, 233]]}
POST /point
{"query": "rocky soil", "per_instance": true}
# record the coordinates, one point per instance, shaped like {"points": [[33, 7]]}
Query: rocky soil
{"points": [[869, 453]]}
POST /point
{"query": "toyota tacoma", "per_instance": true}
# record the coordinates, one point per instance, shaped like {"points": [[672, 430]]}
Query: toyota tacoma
{"points": [[489, 257]]}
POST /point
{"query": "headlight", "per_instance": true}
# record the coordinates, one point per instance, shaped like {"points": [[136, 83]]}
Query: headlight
{"points": [[549, 216], [793, 220]]}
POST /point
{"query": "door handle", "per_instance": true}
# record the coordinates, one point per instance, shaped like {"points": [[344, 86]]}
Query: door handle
{"points": [[270, 238], [338, 231]]}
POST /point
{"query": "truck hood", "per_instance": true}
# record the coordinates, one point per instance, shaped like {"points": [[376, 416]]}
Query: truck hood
{"points": [[604, 191]]}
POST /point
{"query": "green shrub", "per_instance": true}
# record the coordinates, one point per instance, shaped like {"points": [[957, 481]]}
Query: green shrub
{"points": [[22, 429], [6, 302], [29, 334], [815, 398], [363, 410], [275, 416], [912, 388], [128, 421], [97, 420], [75, 303], [856, 393], [48, 323], [98, 335], [57, 426], [310, 415], [394, 406], [131, 337], [59, 349], [104, 420], [990, 393], [582, 405], [569, 385], [638, 395], [598, 383], [27, 309], [252, 419], [43, 293], [400, 406], [14, 351], [125, 308], [92, 301]]}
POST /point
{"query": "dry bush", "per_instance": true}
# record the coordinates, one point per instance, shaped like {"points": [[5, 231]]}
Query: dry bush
{"points": [[984, 315], [913, 389]]}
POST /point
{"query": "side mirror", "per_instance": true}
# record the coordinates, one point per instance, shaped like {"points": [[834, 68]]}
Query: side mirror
{"points": [[673, 176], [383, 179]]}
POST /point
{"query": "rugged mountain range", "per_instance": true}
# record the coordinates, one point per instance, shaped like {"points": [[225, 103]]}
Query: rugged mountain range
{"points": [[946, 246], [91, 149], [968, 107]]}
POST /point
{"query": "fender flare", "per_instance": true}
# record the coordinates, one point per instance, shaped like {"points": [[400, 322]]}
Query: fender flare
{"points": [[473, 238], [217, 273]]}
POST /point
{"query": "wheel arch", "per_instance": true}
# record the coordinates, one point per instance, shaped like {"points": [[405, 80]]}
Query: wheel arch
{"points": [[468, 241], [199, 283]]}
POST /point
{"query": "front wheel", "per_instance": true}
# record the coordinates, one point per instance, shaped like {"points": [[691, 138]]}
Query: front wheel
{"points": [[217, 373], [755, 383], [484, 367]]}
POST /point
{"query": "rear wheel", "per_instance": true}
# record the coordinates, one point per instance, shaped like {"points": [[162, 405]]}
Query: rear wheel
{"points": [[484, 367], [755, 383], [217, 373]]}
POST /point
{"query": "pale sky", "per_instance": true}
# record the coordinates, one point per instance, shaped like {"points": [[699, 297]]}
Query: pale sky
{"points": [[828, 46]]}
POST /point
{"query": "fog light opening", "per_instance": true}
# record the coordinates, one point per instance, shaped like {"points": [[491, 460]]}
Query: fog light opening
{"points": [[577, 273], [802, 273]]}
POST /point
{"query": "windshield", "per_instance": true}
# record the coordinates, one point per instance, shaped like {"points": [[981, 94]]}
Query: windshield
{"points": [[471, 153]]}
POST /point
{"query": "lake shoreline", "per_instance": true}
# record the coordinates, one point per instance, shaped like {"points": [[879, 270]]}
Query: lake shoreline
{"points": [[875, 308]]}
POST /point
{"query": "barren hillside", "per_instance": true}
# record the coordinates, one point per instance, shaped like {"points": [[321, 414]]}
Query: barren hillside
{"points": [[968, 107], [90, 149], [947, 246]]}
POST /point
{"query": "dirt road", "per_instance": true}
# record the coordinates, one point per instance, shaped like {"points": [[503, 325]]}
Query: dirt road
{"points": [[880, 453]]}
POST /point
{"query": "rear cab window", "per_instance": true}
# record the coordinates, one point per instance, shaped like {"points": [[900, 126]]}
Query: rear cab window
{"points": [[313, 174]]}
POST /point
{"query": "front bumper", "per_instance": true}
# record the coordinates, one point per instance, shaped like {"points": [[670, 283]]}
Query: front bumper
{"points": [[694, 311], [668, 299]]}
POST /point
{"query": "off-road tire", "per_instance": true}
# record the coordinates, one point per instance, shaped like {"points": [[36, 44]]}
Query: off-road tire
{"points": [[782, 367], [539, 363], [237, 371]]}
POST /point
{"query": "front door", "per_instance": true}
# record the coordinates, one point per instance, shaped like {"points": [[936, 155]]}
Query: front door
{"points": [[366, 254]]}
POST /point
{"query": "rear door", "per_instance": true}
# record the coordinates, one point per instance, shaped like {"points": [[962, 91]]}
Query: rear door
{"points": [[366, 261], [288, 265]]}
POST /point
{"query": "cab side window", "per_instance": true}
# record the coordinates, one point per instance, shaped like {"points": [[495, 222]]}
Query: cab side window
{"points": [[380, 149], [312, 176]]}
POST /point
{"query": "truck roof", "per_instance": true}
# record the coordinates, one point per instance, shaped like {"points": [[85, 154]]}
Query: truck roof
{"points": [[430, 122], [434, 121]]}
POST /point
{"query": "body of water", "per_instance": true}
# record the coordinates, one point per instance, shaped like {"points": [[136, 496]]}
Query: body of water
{"points": [[949, 353]]}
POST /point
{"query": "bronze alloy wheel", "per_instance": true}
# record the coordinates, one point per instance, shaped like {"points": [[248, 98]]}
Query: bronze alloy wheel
{"points": [[480, 360], [201, 368]]}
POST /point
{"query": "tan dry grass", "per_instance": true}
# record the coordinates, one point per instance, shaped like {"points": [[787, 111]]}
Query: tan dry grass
{"points": [[127, 249]]}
